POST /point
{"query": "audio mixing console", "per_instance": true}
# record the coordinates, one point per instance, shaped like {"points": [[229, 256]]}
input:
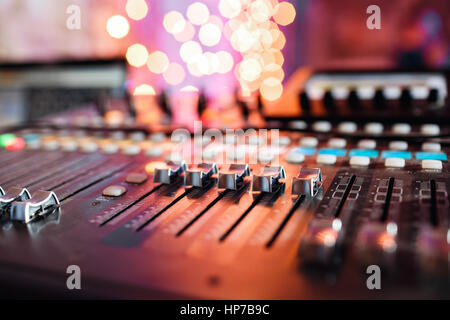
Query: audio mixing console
{"points": [[301, 216]]}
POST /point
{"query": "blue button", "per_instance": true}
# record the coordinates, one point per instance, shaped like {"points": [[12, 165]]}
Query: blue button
{"points": [[305, 150], [371, 153], [396, 154], [431, 156], [334, 152]]}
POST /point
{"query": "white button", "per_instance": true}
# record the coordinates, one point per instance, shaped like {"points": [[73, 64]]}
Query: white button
{"points": [[432, 164], [114, 191], [340, 92], [337, 143], [366, 93], [359, 161], [299, 125], [430, 129], [153, 151], [373, 128], [321, 126], [109, 148], [33, 145], [117, 135], [392, 93], [209, 154], [394, 163], [88, 146], [326, 159], [175, 157], [420, 92], [136, 178], [235, 154], [131, 149], [50, 145], [401, 128], [309, 142], [157, 137], [347, 127], [265, 157], [284, 141], [137, 136], [295, 157], [367, 144], [431, 146], [69, 145], [398, 145]]}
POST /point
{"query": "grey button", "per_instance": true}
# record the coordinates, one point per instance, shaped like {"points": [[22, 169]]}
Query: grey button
{"points": [[114, 191]]}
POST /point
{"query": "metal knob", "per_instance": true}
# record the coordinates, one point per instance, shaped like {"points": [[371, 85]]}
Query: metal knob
{"points": [[307, 182], [170, 170], [38, 205], [268, 179], [230, 178], [197, 175]]}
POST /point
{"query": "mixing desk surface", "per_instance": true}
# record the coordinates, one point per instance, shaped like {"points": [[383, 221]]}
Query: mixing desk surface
{"points": [[301, 213]]}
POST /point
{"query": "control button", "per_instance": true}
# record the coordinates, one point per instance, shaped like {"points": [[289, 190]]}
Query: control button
{"points": [[136, 178], [153, 151], [265, 156], [401, 128], [430, 129], [326, 159], [359, 161], [69, 145], [420, 92], [131, 149], [373, 128], [295, 157], [365, 92], [114, 191], [231, 177], [109, 148], [431, 146], [50, 144], [347, 127], [170, 170], [398, 145], [321, 126], [340, 93], [392, 93], [235, 154], [367, 144], [299, 125], [394, 163], [333, 152], [151, 166], [396, 154], [157, 137], [268, 179], [13, 194], [371, 153], [305, 151], [431, 156], [309, 142], [432, 164], [197, 175], [117, 135], [337, 143], [38, 205], [283, 141], [307, 182], [137, 136], [88, 146]]}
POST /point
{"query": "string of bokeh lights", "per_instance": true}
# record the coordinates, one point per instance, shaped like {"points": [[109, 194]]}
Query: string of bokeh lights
{"points": [[251, 27]]}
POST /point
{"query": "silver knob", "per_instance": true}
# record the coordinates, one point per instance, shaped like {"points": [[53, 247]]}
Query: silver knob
{"points": [[38, 205], [170, 170], [268, 179], [307, 182], [197, 175], [231, 177]]}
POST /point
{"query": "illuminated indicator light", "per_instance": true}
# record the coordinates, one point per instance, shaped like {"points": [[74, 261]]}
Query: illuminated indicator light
{"points": [[117, 26], [307, 151], [396, 154], [271, 89], [334, 152], [136, 9], [431, 156], [198, 13], [226, 62], [137, 55], [190, 51], [174, 22], [187, 34], [284, 13], [260, 11], [370, 153], [158, 62], [209, 34], [189, 89], [6, 139], [230, 8], [144, 90], [16, 144], [174, 74], [250, 70]]}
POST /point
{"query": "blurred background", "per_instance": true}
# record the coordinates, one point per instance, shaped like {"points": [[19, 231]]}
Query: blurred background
{"points": [[218, 46]]}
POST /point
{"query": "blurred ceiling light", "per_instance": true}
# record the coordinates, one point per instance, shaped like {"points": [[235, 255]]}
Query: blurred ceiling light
{"points": [[174, 22], [271, 89], [144, 90], [280, 42], [189, 89], [193, 69], [187, 34], [190, 51], [198, 13], [242, 39], [209, 34], [217, 21], [136, 9], [137, 55], [230, 8], [250, 69], [117, 26], [260, 10], [226, 62], [174, 74], [284, 13], [158, 62]]}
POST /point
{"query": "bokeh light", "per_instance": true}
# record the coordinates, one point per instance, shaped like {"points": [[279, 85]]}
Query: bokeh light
{"points": [[284, 13], [174, 22], [230, 8], [187, 34], [136, 9], [117, 26], [271, 89], [189, 89], [190, 51], [174, 74], [198, 13], [226, 62], [260, 11], [250, 69], [144, 90], [158, 62], [209, 34], [137, 55]]}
